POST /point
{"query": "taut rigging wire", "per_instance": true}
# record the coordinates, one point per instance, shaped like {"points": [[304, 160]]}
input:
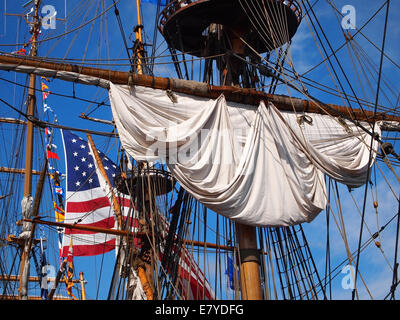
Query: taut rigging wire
{"points": [[370, 156], [65, 33]]}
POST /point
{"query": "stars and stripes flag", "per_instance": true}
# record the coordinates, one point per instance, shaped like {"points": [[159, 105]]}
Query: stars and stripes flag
{"points": [[192, 283], [88, 199], [88, 202]]}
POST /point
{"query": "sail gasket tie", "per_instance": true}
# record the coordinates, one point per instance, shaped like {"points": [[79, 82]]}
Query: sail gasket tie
{"points": [[171, 96], [130, 79], [304, 118]]}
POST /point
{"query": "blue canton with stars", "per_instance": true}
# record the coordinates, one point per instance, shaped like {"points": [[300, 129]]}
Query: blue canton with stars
{"points": [[81, 171]]}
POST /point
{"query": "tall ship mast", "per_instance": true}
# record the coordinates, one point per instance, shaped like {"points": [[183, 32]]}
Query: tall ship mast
{"points": [[236, 152]]}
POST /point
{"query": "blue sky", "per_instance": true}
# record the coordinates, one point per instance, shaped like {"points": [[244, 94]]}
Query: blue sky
{"points": [[107, 44]]}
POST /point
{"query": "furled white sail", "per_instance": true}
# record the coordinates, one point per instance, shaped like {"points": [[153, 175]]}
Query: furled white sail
{"points": [[258, 166]]}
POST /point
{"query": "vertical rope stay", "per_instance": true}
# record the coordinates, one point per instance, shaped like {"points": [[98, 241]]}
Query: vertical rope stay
{"points": [[395, 280], [370, 155]]}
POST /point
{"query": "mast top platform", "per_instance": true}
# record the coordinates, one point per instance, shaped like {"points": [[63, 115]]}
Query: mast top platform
{"points": [[184, 23]]}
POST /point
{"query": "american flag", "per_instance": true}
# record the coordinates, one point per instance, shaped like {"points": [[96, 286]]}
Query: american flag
{"points": [[88, 203], [88, 198], [192, 283]]}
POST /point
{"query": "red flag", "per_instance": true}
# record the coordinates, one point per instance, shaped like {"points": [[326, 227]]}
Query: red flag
{"points": [[21, 52], [52, 155]]}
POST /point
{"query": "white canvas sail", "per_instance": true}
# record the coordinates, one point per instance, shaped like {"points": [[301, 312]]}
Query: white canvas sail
{"points": [[257, 166]]}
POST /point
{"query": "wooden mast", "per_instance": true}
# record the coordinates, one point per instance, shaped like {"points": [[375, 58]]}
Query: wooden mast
{"points": [[249, 260], [139, 39], [115, 203], [146, 270], [25, 264], [82, 282], [249, 257]]}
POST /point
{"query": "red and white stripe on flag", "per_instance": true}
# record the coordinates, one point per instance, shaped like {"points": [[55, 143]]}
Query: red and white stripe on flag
{"points": [[91, 208], [88, 198], [192, 282]]}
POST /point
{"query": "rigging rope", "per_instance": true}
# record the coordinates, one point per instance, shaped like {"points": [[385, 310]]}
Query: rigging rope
{"points": [[65, 33], [370, 157]]}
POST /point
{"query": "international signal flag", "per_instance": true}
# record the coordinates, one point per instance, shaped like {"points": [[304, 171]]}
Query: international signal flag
{"points": [[44, 86], [46, 94], [21, 52], [52, 155], [58, 190], [60, 213], [70, 271], [46, 107], [231, 276]]}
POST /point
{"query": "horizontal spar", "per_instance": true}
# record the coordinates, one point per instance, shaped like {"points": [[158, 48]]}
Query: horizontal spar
{"points": [[124, 233], [32, 279], [12, 121], [16, 297], [20, 171], [102, 78], [87, 228]]}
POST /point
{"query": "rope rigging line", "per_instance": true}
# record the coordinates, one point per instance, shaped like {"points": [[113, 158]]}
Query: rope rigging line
{"points": [[58, 94], [355, 34], [44, 124], [71, 43], [121, 29], [336, 59], [366, 38], [296, 268], [370, 156], [395, 278], [320, 103], [89, 36], [367, 70], [65, 33]]}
